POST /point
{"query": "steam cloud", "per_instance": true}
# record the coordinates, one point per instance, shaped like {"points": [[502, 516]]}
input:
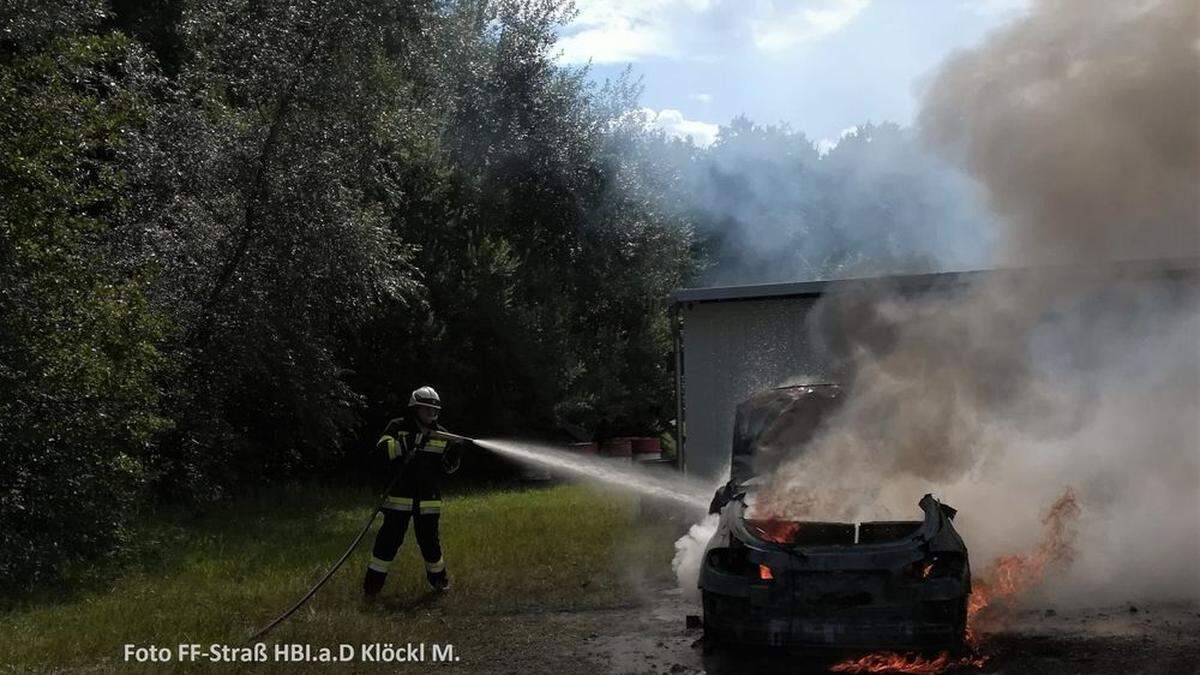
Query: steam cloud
{"points": [[689, 555], [1080, 120]]}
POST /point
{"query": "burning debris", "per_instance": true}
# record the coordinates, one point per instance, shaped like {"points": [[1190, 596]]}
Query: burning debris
{"points": [[891, 662], [836, 585], [993, 593], [775, 530], [1011, 577], [772, 581]]}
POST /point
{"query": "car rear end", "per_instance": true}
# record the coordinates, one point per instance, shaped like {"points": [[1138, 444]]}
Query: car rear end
{"points": [[900, 585]]}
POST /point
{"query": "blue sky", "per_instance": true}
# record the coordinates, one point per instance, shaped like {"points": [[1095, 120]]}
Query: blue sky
{"points": [[821, 66]]}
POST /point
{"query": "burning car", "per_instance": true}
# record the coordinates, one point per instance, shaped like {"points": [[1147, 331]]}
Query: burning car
{"points": [[799, 584]]}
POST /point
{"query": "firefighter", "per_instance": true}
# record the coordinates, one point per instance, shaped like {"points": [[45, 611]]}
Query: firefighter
{"points": [[408, 444]]}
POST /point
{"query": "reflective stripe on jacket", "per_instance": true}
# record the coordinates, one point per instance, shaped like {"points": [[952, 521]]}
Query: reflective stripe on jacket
{"points": [[421, 461]]}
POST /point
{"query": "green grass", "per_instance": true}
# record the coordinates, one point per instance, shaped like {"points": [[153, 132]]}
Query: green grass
{"points": [[219, 578]]}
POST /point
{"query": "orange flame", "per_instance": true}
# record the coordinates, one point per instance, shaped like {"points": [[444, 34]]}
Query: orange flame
{"points": [[992, 595], [891, 662], [1011, 576], [773, 529]]}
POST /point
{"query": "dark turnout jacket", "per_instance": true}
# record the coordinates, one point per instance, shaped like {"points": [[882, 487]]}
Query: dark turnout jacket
{"points": [[420, 460]]}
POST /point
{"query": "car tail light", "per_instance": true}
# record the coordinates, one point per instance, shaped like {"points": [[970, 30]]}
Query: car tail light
{"points": [[729, 560], [936, 566], [737, 561]]}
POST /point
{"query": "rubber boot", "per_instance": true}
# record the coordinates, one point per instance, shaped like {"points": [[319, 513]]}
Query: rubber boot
{"points": [[373, 583], [438, 581]]}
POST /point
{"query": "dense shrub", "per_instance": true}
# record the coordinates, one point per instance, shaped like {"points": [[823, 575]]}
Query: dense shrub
{"points": [[80, 363]]}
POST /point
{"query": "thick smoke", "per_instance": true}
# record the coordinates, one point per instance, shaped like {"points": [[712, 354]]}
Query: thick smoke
{"points": [[1081, 122], [772, 208]]}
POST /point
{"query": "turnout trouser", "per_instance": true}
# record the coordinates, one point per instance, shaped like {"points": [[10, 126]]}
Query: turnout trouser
{"points": [[396, 515]]}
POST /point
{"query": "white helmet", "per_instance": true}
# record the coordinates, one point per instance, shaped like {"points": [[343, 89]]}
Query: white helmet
{"points": [[427, 397]]}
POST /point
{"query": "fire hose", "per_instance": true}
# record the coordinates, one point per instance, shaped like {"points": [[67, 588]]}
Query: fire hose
{"points": [[349, 550]]}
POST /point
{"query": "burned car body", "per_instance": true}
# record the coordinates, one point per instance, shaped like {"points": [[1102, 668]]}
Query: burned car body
{"points": [[890, 584]]}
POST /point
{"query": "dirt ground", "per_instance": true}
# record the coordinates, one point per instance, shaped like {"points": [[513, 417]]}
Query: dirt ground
{"points": [[1138, 638]]}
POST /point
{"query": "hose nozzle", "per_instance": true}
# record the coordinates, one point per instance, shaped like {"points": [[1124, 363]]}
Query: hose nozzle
{"points": [[447, 436]]}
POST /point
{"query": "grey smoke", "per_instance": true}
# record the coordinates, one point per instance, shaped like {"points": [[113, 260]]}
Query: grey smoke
{"points": [[1081, 122], [774, 209]]}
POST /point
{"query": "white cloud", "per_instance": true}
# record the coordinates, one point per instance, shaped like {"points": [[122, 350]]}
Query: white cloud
{"points": [[702, 98], [825, 144], [607, 31], [789, 29], [673, 123]]}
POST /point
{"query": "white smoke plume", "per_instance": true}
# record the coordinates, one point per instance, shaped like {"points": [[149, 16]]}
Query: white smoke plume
{"points": [[689, 553], [1080, 120]]}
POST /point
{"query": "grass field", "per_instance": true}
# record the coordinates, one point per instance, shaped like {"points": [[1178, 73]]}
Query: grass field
{"points": [[513, 555]]}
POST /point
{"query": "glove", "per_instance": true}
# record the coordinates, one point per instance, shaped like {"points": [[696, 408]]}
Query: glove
{"points": [[722, 497], [452, 459]]}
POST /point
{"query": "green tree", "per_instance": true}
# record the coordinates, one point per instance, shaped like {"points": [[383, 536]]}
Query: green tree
{"points": [[79, 357], [547, 254], [265, 188], [233, 231]]}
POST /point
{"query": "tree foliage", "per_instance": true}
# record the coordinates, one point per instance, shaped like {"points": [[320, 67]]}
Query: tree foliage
{"points": [[235, 231], [234, 235], [81, 360]]}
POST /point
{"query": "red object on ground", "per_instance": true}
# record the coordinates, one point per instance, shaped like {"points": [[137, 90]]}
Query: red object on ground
{"points": [[590, 448], [616, 447]]}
